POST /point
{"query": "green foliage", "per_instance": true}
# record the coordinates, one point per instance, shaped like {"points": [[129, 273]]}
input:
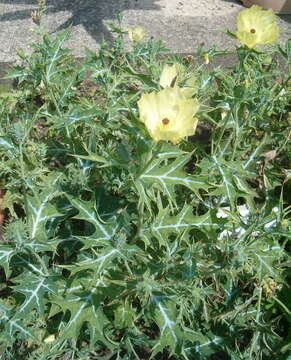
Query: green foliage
{"points": [[115, 247]]}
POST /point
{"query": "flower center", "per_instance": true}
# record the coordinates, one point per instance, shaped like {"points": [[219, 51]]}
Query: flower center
{"points": [[253, 31], [165, 121]]}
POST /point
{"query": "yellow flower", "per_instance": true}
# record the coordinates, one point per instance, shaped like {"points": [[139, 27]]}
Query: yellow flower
{"points": [[171, 75], [136, 34], [206, 59], [168, 114], [223, 114], [257, 27], [50, 339]]}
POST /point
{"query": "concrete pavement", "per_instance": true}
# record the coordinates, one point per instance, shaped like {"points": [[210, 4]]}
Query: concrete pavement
{"points": [[181, 24]]}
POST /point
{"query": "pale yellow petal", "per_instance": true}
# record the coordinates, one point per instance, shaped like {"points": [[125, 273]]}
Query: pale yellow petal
{"points": [[185, 121], [136, 34], [50, 339], [148, 109], [170, 74]]}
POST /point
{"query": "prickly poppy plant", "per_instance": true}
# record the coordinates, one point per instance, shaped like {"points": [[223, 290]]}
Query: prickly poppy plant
{"points": [[120, 244]]}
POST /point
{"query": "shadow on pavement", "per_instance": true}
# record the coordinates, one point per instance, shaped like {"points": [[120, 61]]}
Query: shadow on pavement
{"points": [[233, 1], [89, 13], [286, 18]]}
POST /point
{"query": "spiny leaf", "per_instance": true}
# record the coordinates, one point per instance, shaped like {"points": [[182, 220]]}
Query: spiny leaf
{"points": [[166, 319], [39, 210], [233, 179], [227, 183], [265, 253], [6, 253], [204, 345], [55, 52], [84, 307], [88, 212], [98, 264], [34, 288], [165, 224], [124, 316], [13, 326], [17, 233], [7, 144], [75, 115], [166, 177]]}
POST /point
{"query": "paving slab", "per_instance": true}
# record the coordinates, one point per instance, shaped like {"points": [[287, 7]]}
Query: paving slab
{"points": [[183, 25]]}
